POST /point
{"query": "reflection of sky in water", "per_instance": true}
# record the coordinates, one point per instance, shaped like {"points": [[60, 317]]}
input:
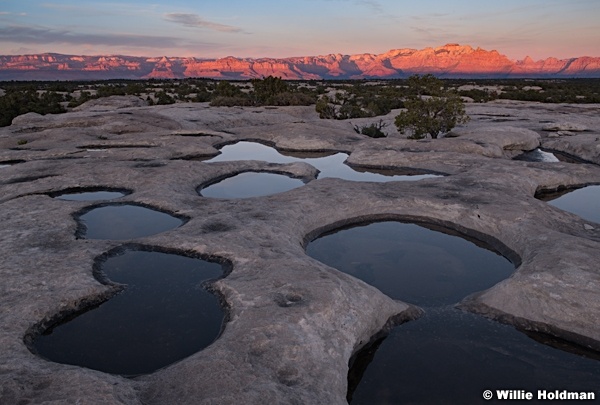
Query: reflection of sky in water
{"points": [[91, 196], [584, 202], [538, 155], [126, 222], [450, 356], [329, 166], [252, 184], [162, 316], [412, 263], [446, 354]]}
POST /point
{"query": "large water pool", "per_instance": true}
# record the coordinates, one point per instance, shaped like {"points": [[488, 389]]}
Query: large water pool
{"points": [[329, 166], [446, 356], [163, 314]]}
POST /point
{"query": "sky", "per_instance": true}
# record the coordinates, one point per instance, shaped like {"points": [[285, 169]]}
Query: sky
{"points": [[285, 28]]}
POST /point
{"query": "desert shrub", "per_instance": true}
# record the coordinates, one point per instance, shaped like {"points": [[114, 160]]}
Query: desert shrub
{"points": [[163, 98], [83, 97], [202, 96], [354, 99], [430, 108], [266, 89], [21, 100], [289, 98], [479, 95], [224, 101], [226, 89], [373, 130], [324, 108]]}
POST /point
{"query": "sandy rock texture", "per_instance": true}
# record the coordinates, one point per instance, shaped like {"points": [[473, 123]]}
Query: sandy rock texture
{"points": [[293, 322]]}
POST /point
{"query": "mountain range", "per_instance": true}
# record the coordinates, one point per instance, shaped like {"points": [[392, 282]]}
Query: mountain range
{"points": [[448, 61]]}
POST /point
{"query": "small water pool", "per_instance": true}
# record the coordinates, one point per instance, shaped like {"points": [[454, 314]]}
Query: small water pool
{"points": [[538, 155], [329, 166], [250, 184], [125, 221], [163, 315], [91, 194], [584, 202], [447, 355]]}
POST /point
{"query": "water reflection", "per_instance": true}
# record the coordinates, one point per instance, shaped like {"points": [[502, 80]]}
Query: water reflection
{"points": [[450, 356], [537, 155], [584, 202], [251, 184], [90, 195], [412, 263], [329, 166], [126, 221], [447, 356], [163, 315]]}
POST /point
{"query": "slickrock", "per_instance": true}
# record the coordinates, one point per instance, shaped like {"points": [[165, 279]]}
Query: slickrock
{"points": [[293, 322]]}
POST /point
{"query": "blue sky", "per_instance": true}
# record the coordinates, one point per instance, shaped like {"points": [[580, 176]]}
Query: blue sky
{"points": [[281, 28]]}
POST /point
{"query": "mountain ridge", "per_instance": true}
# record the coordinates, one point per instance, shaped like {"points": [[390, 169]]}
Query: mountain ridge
{"points": [[448, 61]]}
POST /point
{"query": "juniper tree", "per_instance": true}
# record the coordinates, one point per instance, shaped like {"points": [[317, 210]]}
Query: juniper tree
{"points": [[430, 108]]}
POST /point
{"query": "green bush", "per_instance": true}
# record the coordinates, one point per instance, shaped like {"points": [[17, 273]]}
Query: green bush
{"points": [[224, 101], [430, 108], [17, 101], [163, 98], [373, 130]]}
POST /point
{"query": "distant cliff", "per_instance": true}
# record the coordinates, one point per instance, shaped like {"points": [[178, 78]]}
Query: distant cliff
{"points": [[451, 60]]}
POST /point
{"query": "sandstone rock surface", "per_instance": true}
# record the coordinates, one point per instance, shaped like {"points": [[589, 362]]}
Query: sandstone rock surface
{"points": [[293, 322]]}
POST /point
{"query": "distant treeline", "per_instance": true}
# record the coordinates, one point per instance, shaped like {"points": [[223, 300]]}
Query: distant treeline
{"points": [[332, 99]]}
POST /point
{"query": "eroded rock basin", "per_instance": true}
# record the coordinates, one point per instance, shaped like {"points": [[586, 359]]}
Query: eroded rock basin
{"points": [[330, 166], [245, 185], [294, 323], [89, 195], [163, 314], [584, 201], [453, 354], [446, 352], [125, 221]]}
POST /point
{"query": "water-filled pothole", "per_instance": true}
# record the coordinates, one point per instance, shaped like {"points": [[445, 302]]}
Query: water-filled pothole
{"points": [[124, 221], [250, 184], [451, 356], [329, 166], [412, 263], [584, 201], [537, 155], [446, 353], [163, 314], [89, 194]]}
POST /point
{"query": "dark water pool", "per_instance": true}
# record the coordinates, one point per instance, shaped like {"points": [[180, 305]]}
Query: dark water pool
{"points": [[446, 356], [451, 357], [329, 166], [125, 221], [584, 202], [163, 315], [251, 184], [412, 263]]}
